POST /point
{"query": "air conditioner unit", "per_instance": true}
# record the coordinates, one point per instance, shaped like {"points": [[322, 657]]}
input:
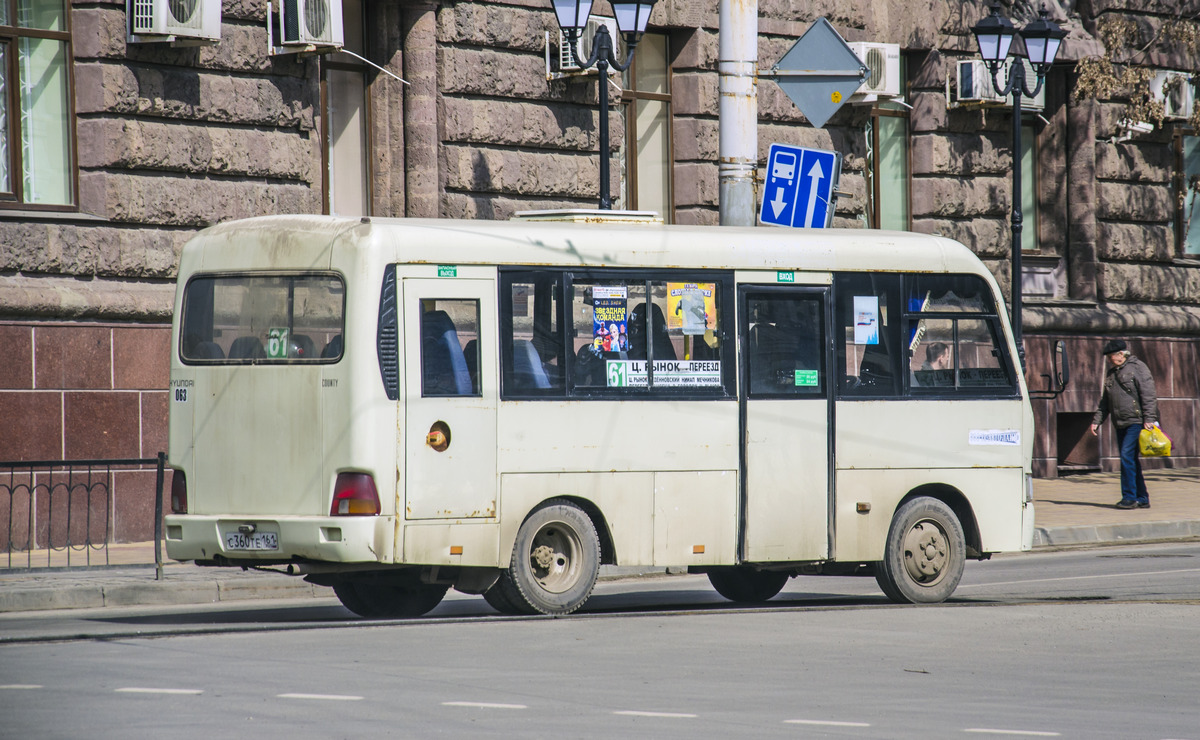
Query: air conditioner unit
{"points": [[170, 20], [883, 78], [975, 84], [1179, 95], [583, 45], [310, 23]]}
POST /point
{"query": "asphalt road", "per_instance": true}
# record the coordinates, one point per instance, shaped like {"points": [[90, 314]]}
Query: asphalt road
{"points": [[1085, 644]]}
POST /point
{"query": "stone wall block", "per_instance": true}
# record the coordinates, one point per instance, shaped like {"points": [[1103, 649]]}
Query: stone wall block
{"points": [[489, 207], [696, 183], [685, 13], [985, 237], [174, 201], [16, 361], [773, 104], [520, 124], [497, 26], [243, 48], [696, 94], [941, 197], [1152, 283], [33, 425], [929, 112], [1125, 241], [695, 216], [253, 11], [1133, 202], [1135, 161], [98, 32], [956, 154], [696, 139], [477, 169], [699, 51], [496, 73]]}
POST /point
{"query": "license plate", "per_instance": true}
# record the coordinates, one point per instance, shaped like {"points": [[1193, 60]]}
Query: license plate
{"points": [[255, 541]]}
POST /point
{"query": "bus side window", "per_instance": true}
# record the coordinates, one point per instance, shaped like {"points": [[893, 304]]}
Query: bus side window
{"points": [[531, 341], [444, 367], [868, 321]]}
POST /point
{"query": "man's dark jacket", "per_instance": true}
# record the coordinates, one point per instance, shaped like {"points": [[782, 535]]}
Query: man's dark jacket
{"points": [[1128, 395]]}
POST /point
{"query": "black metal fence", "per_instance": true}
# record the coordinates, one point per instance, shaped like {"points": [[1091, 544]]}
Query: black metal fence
{"points": [[61, 512]]}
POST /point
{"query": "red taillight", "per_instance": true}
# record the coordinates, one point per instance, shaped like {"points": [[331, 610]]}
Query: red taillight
{"points": [[178, 493], [354, 494]]}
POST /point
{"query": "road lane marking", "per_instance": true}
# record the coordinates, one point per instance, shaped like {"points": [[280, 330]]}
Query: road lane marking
{"points": [[668, 715], [21, 686], [482, 705], [1025, 733], [825, 723], [1080, 578], [320, 697], [173, 692]]}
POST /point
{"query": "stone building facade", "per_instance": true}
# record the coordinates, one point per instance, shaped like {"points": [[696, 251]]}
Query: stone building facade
{"points": [[162, 140]]}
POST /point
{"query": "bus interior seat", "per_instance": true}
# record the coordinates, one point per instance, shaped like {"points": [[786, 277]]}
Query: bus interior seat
{"points": [[471, 354], [664, 349], [206, 351], [246, 348], [333, 349], [443, 364], [302, 346], [528, 371]]}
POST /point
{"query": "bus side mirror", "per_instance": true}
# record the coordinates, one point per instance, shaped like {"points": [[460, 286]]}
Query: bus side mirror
{"points": [[1060, 375]]}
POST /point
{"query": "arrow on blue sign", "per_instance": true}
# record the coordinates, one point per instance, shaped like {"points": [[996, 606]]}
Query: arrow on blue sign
{"points": [[799, 186]]}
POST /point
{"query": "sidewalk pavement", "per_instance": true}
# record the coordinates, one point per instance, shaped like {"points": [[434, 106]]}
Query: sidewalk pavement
{"points": [[1072, 511]]}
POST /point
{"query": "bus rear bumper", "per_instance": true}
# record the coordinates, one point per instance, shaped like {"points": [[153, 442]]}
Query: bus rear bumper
{"points": [[280, 539]]}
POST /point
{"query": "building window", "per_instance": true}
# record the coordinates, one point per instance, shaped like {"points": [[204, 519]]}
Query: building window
{"points": [[1187, 204], [347, 136], [888, 165], [646, 105], [1029, 182], [37, 167]]}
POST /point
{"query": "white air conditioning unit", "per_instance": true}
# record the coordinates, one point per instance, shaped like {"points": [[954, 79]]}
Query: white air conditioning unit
{"points": [[583, 45], [975, 85], [883, 65], [171, 20], [1175, 91], [310, 23]]}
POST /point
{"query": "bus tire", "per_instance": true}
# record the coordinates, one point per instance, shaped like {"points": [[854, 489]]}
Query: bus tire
{"points": [[383, 600], [924, 555], [747, 585], [555, 561], [497, 598]]}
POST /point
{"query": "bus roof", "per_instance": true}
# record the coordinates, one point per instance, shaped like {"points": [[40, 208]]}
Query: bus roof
{"points": [[306, 242]]}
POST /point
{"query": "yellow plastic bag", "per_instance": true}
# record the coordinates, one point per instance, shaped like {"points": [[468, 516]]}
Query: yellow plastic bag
{"points": [[1154, 443]]}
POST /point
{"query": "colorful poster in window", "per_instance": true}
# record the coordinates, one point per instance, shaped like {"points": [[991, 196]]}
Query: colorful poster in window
{"points": [[692, 307], [866, 319], [610, 318]]}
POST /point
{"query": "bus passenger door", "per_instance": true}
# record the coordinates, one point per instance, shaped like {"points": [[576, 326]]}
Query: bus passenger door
{"points": [[785, 423], [448, 409]]}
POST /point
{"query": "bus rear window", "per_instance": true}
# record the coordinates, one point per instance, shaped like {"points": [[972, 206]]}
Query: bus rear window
{"points": [[284, 319]]}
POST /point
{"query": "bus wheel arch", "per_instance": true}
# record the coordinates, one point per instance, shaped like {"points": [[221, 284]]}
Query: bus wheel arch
{"points": [[958, 503], [926, 548]]}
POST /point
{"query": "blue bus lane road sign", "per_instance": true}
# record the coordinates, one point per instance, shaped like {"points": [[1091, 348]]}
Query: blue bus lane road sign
{"points": [[799, 186]]}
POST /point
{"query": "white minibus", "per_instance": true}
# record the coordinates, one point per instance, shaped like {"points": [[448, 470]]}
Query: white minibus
{"points": [[394, 407]]}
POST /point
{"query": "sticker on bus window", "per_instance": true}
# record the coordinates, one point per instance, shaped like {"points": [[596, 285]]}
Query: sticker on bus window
{"points": [[866, 319], [667, 374], [277, 343], [807, 378], [785, 277], [1002, 437], [610, 319], [692, 307]]}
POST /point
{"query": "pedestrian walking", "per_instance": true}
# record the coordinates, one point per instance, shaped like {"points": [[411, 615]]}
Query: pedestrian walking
{"points": [[1127, 397]]}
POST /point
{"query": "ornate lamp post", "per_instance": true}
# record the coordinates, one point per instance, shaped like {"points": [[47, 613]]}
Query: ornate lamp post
{"points": [[1042, 38], [632, 16]]}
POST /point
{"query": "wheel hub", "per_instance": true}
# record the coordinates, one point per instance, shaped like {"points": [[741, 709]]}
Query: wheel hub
{"points": [[543, 557], [925, 552]]}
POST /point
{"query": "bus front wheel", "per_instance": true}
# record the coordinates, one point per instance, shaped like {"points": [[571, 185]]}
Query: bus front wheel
{"points": [[746, 585], [924, 555], [555, 561]]}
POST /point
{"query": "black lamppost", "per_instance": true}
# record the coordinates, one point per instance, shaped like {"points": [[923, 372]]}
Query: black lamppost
{"points": [[632, 16], [994, 35]]}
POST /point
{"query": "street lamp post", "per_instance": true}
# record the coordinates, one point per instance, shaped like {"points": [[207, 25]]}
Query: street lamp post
{"points": [[1042, 38], [632, 16]]}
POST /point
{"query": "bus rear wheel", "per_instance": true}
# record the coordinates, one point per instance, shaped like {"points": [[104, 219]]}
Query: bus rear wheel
{"points": [[924, 555], [555, 562], [384, 600], [747, 585]]}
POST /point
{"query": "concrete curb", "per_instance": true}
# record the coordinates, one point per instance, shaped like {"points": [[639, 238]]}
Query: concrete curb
{"points": [[1109, 534]]}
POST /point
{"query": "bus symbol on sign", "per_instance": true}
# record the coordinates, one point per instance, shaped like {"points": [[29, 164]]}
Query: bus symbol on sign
{"points": [[799, 191]]}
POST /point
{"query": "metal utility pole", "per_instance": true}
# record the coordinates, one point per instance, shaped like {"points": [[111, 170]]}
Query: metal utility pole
{"points": [[738, 109]]}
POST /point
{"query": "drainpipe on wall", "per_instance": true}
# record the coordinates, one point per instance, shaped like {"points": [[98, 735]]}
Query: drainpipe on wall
{"points": [[737, 65]]}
